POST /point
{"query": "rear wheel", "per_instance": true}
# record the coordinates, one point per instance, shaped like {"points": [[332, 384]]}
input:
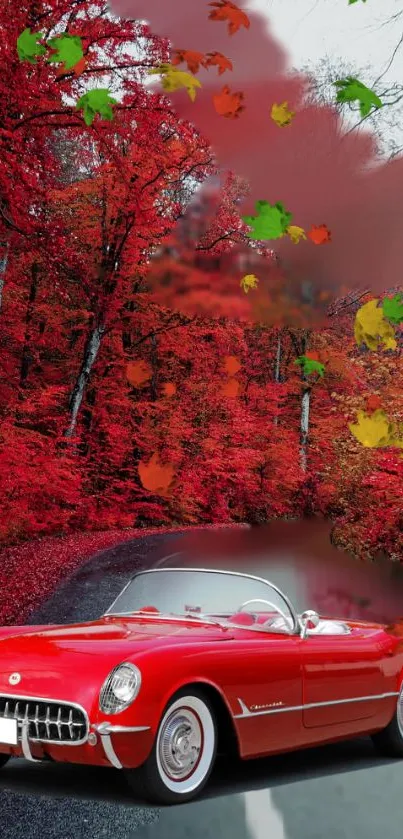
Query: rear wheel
{"points": [[183, 754], [4, 759], [390, 740]]}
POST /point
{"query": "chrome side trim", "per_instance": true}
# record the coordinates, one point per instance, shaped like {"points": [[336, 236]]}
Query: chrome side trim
{"points": [[35, 720], [246, 712], [296, 627], [107, 728]]}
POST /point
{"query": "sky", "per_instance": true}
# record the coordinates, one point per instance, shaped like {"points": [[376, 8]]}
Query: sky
{"points": [[313, 29]]}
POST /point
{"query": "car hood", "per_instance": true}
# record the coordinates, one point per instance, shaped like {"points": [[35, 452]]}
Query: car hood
{"points": [[53, 660]]}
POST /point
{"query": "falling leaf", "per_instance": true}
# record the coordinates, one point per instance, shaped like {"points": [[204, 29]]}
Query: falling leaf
{"points": [[138, 373], [352, 90], [68, 50], [154, 476], [232, 365], [169, 389], [191, 58], [320, 234], [373, 403], [231, 388], [371, 328], [81, 66], [295, 233], [310, 365], [270, 222], [217, 59], [281, 114], [249, 281], [97, 101], [173, 79], [350, 2], [233, 14], [393, 308], [229, 104], [373, 431], [313, 355], [28, 47]]}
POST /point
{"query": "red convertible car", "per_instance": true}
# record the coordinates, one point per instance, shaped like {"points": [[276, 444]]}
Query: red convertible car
{"points": [[187, 661]]}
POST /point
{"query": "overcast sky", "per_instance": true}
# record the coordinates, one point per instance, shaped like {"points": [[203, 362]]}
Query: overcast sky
{"points": [[313, 29]]}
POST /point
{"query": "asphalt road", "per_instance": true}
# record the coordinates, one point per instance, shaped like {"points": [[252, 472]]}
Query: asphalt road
{"points": [[343, 791]]}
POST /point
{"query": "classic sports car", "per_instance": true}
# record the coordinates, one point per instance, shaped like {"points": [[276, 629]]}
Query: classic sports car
{"points": [[187, 661]]}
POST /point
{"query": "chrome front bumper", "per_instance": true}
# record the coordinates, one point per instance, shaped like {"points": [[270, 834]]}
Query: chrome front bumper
{"points": [[105, 729]]}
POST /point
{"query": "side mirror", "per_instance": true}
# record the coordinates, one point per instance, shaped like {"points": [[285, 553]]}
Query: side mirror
{"points": [[308, 620]]}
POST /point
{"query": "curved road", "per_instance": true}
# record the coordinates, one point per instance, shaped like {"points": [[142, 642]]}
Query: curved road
{"points": [[343, 791]]}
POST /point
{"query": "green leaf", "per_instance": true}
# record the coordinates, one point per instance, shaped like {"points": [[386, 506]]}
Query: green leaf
{"points": [[28, 46], [350, 2], [270, 222], [69, 50], [393, 308], [95, 102], [309, 365], [352, 90]]}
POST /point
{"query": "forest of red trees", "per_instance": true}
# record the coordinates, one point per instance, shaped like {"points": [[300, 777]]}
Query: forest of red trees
{"points": [[139, 385]]}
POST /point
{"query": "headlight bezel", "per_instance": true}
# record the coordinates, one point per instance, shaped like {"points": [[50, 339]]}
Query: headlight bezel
{"points": [[109, 703]]}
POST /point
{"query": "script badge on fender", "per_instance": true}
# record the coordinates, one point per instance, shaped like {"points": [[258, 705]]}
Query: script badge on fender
{"points": [[15, 679]]}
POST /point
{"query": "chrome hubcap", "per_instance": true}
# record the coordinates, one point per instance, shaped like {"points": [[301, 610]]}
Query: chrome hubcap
{"points": [[180, 744]]}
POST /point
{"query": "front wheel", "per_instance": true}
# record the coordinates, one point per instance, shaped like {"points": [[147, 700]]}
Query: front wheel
{"points": [[183, 754], [4, 759], [390, 741]]}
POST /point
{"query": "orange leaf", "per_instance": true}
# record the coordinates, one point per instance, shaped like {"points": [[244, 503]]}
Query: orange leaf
{"points": [[154, 476], [138, 373], [313, 355], [231, 388], [320, 234], [193, 59], [229, 104], [233, 14], [80, 66], [232, 365], [169, 389], [373, 403], [217, 59]]}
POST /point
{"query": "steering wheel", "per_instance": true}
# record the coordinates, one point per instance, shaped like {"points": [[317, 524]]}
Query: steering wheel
{"points": [[268, 603]]}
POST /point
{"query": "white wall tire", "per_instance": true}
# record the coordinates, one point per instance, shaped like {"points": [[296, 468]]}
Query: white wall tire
{"points": [[184, 751], [390, 741]]}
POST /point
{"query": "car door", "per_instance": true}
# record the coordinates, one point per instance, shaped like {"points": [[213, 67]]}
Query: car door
{"points": [[267, 696], [342, 677]]}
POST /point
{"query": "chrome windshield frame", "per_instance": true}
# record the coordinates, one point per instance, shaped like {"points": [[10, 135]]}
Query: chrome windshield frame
{"points": [[296, 623]]}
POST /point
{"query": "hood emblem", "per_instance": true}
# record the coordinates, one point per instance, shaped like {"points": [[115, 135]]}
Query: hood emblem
{"points": [[15, 679]]}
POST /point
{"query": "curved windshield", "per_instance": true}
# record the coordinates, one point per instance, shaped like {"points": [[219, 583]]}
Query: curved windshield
{"points": [[202, 594]]}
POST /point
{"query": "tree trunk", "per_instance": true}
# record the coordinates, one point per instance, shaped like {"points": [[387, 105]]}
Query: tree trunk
{"points": [[26, 357], [278, 365], [305, 411], [3, 268], [90, 353]]}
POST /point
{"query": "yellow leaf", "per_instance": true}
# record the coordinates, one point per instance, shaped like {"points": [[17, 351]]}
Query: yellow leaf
{"points": [[371, 328], [295, 233], [249, 281], [281, 114], [373, 431], [174, 79]]}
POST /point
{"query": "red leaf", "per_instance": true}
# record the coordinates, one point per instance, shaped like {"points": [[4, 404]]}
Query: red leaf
{"points": [[229, 104], [233, 14], [319, 234], [217, 59], [154, 476], [138, 373], [193, 59]]}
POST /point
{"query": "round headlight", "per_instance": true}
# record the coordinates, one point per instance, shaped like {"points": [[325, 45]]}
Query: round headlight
{"points": [[120, 688]]}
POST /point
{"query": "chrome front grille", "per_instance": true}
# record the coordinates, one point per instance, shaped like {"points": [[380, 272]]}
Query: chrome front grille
{"points": [[48, 721]]}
